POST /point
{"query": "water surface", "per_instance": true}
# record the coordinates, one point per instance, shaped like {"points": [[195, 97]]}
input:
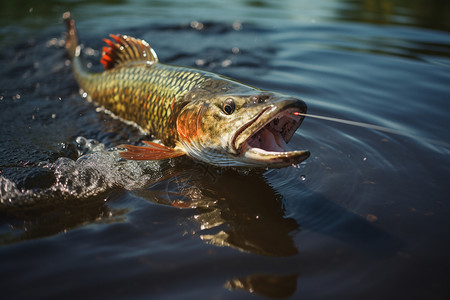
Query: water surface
{"points": [[365, 216]]}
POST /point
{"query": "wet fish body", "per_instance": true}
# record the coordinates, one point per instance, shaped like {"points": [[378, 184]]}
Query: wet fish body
{"points": [[206, 116]]}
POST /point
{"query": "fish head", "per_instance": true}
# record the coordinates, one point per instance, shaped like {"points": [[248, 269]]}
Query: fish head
{"points": [[248, 130]]}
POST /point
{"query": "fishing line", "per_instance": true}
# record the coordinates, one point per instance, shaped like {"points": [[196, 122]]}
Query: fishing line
{"points": [[375, 127]]}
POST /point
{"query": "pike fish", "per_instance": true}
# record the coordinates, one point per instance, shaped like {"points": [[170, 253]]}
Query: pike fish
{"points": [[208, 117]]}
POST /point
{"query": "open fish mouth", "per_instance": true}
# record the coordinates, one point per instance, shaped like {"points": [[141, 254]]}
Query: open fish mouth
{"points": [[264, 143]]}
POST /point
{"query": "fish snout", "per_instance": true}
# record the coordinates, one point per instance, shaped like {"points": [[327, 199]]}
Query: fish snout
{"points": [[287, 102]]}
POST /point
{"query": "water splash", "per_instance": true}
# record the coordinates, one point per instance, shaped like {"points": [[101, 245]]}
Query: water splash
{"points": [[96, 170]]}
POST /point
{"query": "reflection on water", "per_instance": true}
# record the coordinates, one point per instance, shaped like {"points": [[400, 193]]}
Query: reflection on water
{"points": [[419, 13], [254, 218], [48, 219], [229, 213], [271, 286]]}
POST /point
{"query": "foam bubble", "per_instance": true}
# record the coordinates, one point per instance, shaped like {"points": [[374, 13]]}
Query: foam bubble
{"points": [[96, 170]]}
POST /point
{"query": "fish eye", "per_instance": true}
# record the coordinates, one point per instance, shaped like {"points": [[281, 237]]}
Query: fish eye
{"points": [[228, 106]]}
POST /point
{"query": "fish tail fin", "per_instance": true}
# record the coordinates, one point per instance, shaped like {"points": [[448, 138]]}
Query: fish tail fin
{"points": [[71, 35]]}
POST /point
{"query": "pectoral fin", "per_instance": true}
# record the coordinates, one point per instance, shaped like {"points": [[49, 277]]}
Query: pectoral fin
{"points": [[154, 151]]}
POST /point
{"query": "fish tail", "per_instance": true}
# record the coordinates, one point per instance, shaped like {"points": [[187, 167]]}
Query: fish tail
{"points": [[71, 36]]}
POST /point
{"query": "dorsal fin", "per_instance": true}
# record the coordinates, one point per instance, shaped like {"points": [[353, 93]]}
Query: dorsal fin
{"points": [[124, 49]]}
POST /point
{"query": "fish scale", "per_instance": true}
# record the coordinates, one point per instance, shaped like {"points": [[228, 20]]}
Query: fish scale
{"points": [[145, 94]]}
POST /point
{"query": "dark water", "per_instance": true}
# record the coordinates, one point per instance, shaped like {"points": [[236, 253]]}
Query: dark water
{"points": [[366, 216]]}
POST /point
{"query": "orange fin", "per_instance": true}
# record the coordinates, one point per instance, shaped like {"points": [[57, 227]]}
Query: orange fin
{"points": [[153, 152], [122, 49]]}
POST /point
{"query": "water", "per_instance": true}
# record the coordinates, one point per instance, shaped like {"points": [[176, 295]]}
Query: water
{"points": [[365, 216]]}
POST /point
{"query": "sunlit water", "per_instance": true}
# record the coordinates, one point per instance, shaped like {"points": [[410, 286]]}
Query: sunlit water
{"points": [[365, 216]]}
